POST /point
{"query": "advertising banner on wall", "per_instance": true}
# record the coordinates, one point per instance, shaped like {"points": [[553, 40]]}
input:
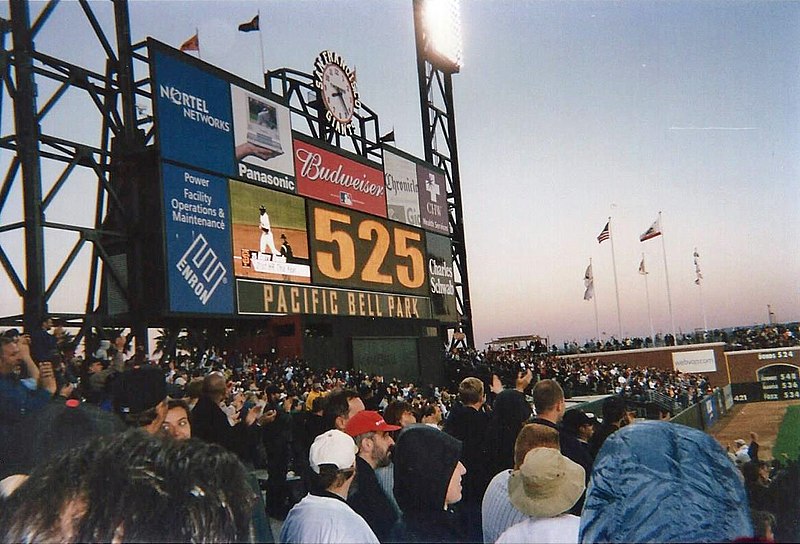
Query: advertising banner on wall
{"points": [[205, 121], [336, 179], [262, 139], [695, 361], [402, 189], [198, 242], [269, 234], [281, 298], [710, 411], [433, 200], [441, 278], [193, 110]]}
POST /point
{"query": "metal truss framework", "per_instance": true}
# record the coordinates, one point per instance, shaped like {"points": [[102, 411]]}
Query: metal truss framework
{"points": [[441, 150], [124, 132], [24, 70], [298, 91]]}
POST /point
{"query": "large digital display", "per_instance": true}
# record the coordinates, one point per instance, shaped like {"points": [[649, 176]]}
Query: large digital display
{"points": [[351, 249], [263, 220]]}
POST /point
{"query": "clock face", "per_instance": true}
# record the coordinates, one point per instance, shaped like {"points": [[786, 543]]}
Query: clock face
{"points": [[337, 87], [337, 93]]}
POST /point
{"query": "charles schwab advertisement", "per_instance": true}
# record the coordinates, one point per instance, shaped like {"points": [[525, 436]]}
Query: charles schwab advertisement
{"points": [[441, 278]]}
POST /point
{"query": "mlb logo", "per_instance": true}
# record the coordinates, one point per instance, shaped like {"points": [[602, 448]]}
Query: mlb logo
{"points": [[345, 198]]}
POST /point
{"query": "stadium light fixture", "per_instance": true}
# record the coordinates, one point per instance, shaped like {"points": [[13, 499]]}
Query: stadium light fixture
{"points": [[442, 28]]}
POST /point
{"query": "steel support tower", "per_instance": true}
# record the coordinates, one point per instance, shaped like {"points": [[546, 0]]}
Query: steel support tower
{"points": [[435, 77], [80, 166]]}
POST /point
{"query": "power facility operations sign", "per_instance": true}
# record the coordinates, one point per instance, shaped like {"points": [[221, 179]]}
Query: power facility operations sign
{"points": [[260, 219], [695, 362]]}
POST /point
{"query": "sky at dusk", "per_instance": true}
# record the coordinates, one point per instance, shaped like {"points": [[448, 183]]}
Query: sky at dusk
{"points": [[567, 113]]}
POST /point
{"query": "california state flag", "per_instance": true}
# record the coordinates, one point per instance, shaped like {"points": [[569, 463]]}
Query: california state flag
{"points": [[652, 232]]}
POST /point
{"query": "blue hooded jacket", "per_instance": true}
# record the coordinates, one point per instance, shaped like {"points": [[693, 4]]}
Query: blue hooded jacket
{"points": [[655, 481]]}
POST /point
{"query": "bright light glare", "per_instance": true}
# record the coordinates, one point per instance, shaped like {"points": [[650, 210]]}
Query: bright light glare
{"points": [[443, 28]]}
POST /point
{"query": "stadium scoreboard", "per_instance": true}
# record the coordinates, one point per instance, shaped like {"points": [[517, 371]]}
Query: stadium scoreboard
{"points": [[262, 219]]}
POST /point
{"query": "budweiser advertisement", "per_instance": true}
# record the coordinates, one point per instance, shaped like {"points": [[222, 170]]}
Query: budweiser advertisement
{"points": [[336, 179]]}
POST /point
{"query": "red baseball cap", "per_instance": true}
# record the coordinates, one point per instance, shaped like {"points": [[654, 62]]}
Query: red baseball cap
{"points": [[367, 421]]}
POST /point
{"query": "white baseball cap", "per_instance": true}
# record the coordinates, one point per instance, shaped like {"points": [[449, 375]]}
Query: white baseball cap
{"points": [[332, 448]]}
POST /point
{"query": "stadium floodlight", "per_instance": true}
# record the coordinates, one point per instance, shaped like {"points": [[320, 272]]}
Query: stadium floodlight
{"points": [[442, 30]]}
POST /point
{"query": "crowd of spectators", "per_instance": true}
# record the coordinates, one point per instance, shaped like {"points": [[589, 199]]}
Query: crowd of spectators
{"points": [[411, 446], [737, 338], [581, 378]]}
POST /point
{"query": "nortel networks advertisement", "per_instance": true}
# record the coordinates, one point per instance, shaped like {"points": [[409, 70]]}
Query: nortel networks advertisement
{"points": [[197, 229], [193, 109], [205, 121]]}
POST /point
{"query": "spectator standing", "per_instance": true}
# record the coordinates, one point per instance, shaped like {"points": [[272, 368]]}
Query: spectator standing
{"points": [[210, 423], [468, 423], [140, 397], [44, 346], [132, 487], [545, 488], [510, 412], [16, 398], [277, 440], [497, 511], [741, 455], [427, 482], [371, 434], [752, 449], [323, 515], [615, 416], [548, 399], [650, 476]]}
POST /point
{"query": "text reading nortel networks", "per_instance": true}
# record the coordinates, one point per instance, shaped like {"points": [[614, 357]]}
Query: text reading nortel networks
{"points": [[219, 123]]}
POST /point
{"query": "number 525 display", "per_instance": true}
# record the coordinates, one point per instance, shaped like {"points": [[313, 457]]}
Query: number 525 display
{"points": [[351, 249]]}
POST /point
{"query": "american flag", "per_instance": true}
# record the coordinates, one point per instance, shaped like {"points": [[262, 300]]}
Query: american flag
{"points": [[605, 234]]}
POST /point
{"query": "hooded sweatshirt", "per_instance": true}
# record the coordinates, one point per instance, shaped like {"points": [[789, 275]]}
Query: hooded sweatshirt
{"points": [[424, 461]]}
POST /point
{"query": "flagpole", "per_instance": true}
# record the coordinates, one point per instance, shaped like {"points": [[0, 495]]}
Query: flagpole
{"points": [[703, 308], [616, 284], [647, 295], [666, 275], [699, 282], [197, 33], [261, 43], [594, 300]]}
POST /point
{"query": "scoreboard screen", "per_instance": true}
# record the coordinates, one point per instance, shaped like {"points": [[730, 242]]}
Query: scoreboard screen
{"points": [[261, 219]]}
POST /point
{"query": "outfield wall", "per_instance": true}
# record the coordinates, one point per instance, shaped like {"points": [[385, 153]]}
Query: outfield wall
{"points": [[706, 359]]}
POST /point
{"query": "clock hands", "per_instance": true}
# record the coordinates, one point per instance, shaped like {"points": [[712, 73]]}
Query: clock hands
{"points": [[339, 94]]}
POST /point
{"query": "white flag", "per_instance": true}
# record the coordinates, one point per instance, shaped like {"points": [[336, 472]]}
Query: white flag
{"points": [[588, 281], [698, 274]]}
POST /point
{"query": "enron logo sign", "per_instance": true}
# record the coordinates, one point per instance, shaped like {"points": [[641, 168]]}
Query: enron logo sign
{"points": [[338, 180], [201, 268]]}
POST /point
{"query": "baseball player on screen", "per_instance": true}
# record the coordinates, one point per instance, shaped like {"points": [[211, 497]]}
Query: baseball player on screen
{"points": [[266, 234]]}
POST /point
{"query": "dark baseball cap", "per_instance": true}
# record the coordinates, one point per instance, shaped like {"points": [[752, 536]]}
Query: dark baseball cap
{"points": [[573, 419], [139, 389]]}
